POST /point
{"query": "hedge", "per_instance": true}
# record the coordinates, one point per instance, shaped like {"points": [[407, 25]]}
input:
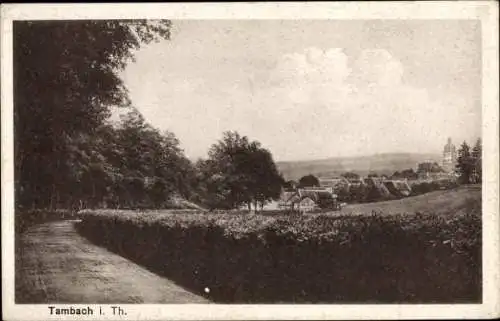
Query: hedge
{"points": [[26, 218], [304, 259]]}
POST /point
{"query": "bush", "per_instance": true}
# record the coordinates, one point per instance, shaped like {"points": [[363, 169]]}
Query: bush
{"points": [[312, 258], [426, 187], [27, 218]]}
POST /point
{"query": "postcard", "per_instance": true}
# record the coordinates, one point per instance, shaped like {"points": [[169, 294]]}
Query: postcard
{"points": [[250, 161]]}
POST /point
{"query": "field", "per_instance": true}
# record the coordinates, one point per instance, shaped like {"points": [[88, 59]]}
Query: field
{"points": [[445, 202], [427, 251]]}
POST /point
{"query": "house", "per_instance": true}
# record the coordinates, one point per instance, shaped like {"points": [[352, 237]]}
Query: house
{"points": [[356, 182], [399, 188], [430, 170], [308, 199], [317, 189], [377, 189], [288, 199], [337, 184], [306, 204], [324, 198]]}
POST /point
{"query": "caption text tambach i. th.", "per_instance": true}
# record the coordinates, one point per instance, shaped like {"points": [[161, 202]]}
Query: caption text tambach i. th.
{"points": [[71, 310]]}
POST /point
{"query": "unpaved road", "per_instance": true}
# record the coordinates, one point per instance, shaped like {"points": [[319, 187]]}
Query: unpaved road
{"points": [[55, 264]]}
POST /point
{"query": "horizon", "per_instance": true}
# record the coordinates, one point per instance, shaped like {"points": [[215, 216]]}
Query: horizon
{"points": [[437, 152], [304, 88]]}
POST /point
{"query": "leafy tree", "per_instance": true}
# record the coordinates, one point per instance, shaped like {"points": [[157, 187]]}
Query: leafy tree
{"points": [[309, 181], [465, 163], [373, 175], [409, 174], [213, 190], [151, 162], [65, 80], [267, 180], [239, 172], [291, 184], [350, 175]]}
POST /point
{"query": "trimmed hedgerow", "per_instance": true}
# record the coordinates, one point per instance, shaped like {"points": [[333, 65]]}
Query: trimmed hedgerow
{"points": [[26, 218], [316, 258]]}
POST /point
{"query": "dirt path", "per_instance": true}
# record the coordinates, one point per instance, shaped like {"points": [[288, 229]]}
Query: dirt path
{"points": [[55, 264]]}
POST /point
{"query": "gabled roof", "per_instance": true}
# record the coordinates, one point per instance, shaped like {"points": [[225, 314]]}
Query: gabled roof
{"points": [[333, 181], [287, 197], [398, 187], [356, 180], [305, 198], [315, 195]]}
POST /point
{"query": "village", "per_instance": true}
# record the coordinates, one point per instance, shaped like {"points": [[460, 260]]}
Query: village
{"points": [[332, 193]]}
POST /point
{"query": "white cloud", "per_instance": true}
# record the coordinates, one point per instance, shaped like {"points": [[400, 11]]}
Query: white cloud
{"points": [[313, 104], [317, 103]]}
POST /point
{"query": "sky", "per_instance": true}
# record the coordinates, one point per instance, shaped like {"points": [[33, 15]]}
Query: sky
{"points": [[313, 89]]}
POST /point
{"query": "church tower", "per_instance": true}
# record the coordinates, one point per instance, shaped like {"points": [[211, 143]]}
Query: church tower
{"points": [[449, 157]]}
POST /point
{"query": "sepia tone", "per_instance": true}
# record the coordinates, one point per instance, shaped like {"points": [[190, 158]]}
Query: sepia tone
{"points": [[198, 161]]}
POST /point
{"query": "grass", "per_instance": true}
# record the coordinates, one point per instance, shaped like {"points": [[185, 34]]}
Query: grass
{"points": [[442, 202]]}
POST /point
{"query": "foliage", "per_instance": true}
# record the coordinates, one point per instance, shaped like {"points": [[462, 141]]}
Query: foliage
{"points": [[290, 185], [309, 181], [405, 174], [465, 164], [350, 175], [239, 172], [469, 163], [477, 161], [429, 167], [315, 258], [65, 81], [25, 219], [426, 187], [422, 188]]}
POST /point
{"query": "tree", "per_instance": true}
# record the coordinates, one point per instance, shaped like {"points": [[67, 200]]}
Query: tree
{"points": [[373, 175], [409, 174], [309, 181], [267, 182], [152, 164], [65, 80], [291, 184], [477, 161], [239, 172], [465, 163], [350, 175]]}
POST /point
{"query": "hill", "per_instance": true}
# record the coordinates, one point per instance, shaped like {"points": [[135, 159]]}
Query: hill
{"points": [[362, 165], [448, 203]]}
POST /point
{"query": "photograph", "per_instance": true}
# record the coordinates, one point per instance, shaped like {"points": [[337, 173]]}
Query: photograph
{"points": [[162, 160]]}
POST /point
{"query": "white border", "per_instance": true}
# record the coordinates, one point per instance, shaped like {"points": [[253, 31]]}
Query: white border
{"points": [[486, 11]]}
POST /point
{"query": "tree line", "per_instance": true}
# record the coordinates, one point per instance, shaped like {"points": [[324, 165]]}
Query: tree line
{"points": [[469, 165], [68, 154]]}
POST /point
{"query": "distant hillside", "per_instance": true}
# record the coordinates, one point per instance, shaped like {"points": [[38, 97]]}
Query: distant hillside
{"points": [[362, 165]]}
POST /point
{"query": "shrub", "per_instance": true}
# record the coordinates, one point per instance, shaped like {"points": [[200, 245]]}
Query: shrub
{"points": [[426, 187], [314, 258], [26, 218]]}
